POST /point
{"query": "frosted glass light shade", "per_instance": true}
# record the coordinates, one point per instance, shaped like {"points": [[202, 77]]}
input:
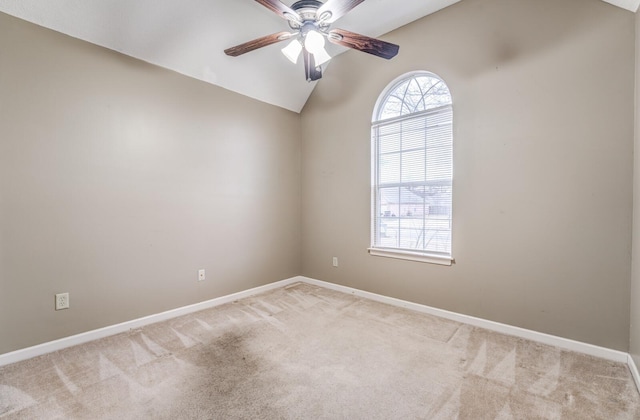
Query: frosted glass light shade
{"points": [[292, 51], [314, 43], [321, 56]]}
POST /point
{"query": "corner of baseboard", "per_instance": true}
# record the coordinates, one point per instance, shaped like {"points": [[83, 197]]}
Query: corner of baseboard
{"points": [[634, 371]]}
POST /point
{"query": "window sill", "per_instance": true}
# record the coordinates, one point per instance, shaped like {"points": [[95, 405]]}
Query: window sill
{"points": [[411, 256]]}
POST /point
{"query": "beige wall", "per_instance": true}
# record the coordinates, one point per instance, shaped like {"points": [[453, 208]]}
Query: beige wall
{"points": [[119, 180], [634, 347], [543, 144]]}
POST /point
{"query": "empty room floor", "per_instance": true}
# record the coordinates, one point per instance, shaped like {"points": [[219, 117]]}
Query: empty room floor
{"points": [[304, 351]]}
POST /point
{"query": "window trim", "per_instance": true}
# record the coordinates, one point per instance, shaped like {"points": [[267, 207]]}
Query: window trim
{"points": [[411, 256], [399, 253]]}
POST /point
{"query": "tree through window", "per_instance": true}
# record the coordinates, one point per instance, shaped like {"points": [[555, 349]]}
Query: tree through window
{"points": [[412, 167]]}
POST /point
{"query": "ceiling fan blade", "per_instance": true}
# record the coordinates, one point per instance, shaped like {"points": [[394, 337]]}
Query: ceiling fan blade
{"points": [[281, 9], [311, 71], [363, 43], [337, 8], [257, 43]]}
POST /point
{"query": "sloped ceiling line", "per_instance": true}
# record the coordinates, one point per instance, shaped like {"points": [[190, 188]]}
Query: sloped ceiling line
{"points": [[189, 36]]}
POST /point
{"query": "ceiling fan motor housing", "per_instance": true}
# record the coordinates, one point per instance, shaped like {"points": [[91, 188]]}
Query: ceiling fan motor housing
{"points": [[306, 4], [307, 10]]}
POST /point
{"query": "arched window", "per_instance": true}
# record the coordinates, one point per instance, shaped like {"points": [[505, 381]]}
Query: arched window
{"points": [[412, 170]]}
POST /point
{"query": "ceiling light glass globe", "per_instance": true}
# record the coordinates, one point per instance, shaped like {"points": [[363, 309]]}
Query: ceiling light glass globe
{"points": [[314, 43], [292, 51]]}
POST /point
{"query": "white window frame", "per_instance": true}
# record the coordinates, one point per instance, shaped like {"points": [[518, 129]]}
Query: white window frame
{"points": [[393, 252]]}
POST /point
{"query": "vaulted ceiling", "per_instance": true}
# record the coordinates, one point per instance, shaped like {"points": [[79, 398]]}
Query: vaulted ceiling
{"points": [[189, 36]]}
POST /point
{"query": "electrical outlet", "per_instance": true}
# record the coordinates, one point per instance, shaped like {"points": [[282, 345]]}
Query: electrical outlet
{"points": [[335, 261], [201, 274], [62, 301]]}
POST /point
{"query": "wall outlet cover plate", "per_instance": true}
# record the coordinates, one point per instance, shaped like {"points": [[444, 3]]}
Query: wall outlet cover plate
{"points": [[62, 301]]}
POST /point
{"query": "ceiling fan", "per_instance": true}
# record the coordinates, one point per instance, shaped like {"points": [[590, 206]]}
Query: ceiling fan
{"points": [[310, 22]]}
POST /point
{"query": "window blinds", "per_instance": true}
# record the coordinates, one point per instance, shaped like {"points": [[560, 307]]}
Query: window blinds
{"points": [[412, 181]]}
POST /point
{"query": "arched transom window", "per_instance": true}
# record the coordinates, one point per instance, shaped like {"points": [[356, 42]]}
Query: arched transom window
{"points": [[412, 170]]}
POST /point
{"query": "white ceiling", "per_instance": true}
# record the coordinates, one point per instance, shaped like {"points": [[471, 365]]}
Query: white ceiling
{"points": [[189, 36]]}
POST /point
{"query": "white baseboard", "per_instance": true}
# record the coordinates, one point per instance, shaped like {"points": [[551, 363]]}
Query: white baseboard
{"points": [[74, 340], [634, 371], [563, 343]]}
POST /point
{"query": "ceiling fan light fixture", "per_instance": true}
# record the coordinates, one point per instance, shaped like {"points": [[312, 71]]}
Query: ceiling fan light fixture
{"points": [[313, 41], [293, 50], [321, 56], [310, 21], [314, 44]]}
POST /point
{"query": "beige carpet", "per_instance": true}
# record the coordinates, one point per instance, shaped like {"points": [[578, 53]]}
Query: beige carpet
{"points": [[304, 352]]}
